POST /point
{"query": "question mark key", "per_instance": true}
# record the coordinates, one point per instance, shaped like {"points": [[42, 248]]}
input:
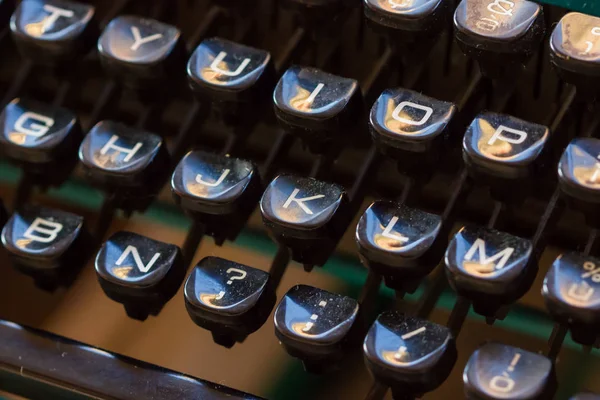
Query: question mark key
{"points": [[222, 295]]}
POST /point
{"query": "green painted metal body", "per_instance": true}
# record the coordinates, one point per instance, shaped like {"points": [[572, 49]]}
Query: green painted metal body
{"points": [[591, 7]]}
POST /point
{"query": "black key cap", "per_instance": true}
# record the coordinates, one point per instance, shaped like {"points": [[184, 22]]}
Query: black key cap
{"points": [[141, 273], [306, 215], [219, 191], [411, 355], [399, 242], [499, 33], [68, 369], [579, 177], [128, 163], [572, 294], [505, 153], [575, 51], [42, 138], [411, 128], [47, 244], [498, 371], [319, 14], [142, 53], [6, 10], [491, 268], [53, 32], [324, 110], [223, 71], [313, 324], [231, 300], [407, 20]]}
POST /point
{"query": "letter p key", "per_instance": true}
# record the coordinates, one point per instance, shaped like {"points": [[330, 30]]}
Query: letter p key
{"points": [[500, 135]]}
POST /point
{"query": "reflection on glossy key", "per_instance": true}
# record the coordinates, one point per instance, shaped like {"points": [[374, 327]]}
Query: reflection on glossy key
{"points": [[575, 47], [408, 120], [224, 287], [498, 371], [212, 183], [141, 51], [305, 214], [499, 33], [312, 323], [503, 146], [139, 272], [579, 169], [585, 396], [407, 16], [489, 267], [231, 300], [318, 106], [396, 240], [38, 133], [45, 243], [129, 161], [53, 31], [225, 70], [411, 355]]}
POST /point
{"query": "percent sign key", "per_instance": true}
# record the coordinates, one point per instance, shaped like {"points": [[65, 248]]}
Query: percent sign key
{"points": [[571, 291]]}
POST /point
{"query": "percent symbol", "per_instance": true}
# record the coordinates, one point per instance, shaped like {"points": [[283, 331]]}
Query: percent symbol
{"points": [[593, 271]]}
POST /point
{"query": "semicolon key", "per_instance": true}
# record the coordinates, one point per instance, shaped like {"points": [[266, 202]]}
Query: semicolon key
{"points": [[141, 273], [314, 325]]}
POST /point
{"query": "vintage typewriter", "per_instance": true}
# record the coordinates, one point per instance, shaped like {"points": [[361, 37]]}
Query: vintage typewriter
{"points": [[300, 199]]}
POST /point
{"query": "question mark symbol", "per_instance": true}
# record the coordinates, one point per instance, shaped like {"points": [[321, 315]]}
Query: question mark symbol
{"points": [[242, 275]]}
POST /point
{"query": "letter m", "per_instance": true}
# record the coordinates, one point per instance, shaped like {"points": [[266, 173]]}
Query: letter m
{"points": [[500, 259]]}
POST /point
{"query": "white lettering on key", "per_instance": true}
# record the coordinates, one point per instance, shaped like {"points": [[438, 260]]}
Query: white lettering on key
{"points": [[314, 94], [111, 145], [498, 135], [404, 104], [137, 259], [219, 59], [39, 128], [301, 202], [49, 230], [387, 232], [138, 40], [55, 14], [501, 7], [484, 261], [215, 183]]}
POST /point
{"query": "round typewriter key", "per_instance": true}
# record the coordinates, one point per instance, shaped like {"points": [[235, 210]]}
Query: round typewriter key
{"points": [[324, 110], [54, 32], [313, 324], [141, 273], [229, 299], [571, 292], [498, 371], [306, 215], [499, 33], [490, 268], [575, 51], [411, 355], [400, 243]]}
